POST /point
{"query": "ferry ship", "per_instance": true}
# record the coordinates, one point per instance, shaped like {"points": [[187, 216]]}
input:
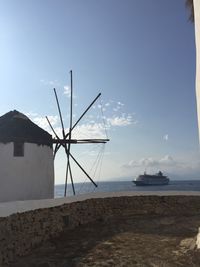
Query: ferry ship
{"points": [[148, 179]]}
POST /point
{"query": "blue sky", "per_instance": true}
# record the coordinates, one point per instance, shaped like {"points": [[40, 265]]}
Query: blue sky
{"points": [[140, 54]]}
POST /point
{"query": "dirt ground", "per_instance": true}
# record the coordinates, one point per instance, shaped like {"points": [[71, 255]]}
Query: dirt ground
{"points": [[122, 241]]}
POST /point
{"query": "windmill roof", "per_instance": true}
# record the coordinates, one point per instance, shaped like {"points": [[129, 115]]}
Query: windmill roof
{"points": [[15, 126]]}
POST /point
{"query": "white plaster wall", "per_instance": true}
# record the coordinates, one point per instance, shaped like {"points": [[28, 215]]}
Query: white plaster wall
{"points": [[28, 177], [197, 38]]}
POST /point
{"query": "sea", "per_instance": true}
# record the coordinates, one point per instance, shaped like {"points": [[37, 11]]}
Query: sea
{"points": [[117, 186]]}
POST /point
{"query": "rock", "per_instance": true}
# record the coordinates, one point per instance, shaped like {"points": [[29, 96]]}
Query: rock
{"points": [[188, 243]]}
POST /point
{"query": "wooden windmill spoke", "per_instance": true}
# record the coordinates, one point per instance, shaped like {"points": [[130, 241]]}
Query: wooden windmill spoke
{"points": [[83, 170], [52, 128], [68, 169], [67, 148], [79, 141], [70, 129], [71, 106], [58, 139], [56, 147], [72, 182], [90, 141], [59, 110], [86, 110], [70, 172]]}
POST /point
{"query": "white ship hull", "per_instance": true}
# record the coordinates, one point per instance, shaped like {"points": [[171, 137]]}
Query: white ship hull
{"points": [[147, 179]]}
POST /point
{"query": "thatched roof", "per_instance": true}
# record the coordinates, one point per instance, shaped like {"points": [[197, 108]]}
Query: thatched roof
{"points": [[15, 126]]}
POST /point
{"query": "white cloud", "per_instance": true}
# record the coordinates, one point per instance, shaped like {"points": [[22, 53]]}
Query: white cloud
{"points": [[83, 131], [93, 125], [166, 137], [123, 120], [120, 104], [42, 122], [116, 117], [94, 130], [31, 114], [166, 161], [117, 106], [58, 131], [67, 91], [51, 83], [175, 168], [91, 129]]}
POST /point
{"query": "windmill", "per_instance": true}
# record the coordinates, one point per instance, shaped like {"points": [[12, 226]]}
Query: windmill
{"points": [[66, 140]]}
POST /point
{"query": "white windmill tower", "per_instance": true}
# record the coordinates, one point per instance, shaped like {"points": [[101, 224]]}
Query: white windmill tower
{"points": [[26, 159]]}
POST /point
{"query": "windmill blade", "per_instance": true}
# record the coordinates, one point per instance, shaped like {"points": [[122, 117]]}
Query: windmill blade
{"points": [[58, 139], [70, 173], [52, 128], [83, 170], [89, 141], [79, 141], [67, 149], [59, 110], [65, 193], [71, 102], [70, 123], [86, 110], [62, 124], [72, 182]]}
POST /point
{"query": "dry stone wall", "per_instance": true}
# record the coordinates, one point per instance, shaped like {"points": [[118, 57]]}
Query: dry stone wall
{"points": [[21, 232]]}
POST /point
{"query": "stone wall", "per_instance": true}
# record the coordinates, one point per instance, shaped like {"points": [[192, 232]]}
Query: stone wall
{"points": [[21, 232]]}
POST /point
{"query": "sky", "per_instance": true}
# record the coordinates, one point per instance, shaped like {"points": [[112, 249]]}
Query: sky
{"points": [[139, 54]]}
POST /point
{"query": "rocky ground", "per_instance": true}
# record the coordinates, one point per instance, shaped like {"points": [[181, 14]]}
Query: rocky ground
{"points": [[126, 240]]}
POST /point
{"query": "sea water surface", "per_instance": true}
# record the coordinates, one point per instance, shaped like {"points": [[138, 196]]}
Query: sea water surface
{"points": [[116, 186]]}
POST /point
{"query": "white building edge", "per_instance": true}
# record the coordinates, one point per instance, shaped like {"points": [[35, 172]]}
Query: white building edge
{"points": [[26, 159], [197, 40]]}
